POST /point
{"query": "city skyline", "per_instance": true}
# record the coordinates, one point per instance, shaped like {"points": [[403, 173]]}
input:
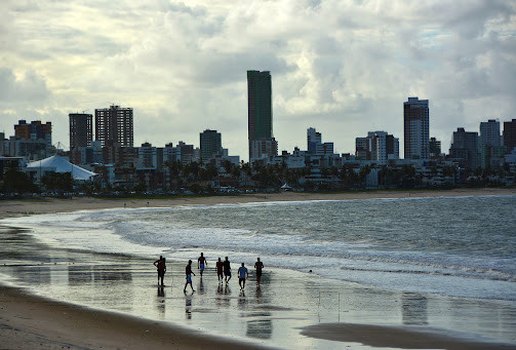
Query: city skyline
{"points": [[331, 72]]}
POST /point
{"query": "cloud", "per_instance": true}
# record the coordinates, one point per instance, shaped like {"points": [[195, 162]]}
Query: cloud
{"points": [[27, 87], [344, 67]]}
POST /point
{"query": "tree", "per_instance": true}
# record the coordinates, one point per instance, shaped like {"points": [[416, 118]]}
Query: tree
{"points": [[16, 181], [58, 181]]}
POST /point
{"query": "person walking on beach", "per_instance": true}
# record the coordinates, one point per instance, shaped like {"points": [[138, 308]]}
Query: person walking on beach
{"points": [[201, 263], [242, 275], [227, 269], [220, 269], [189, 273], [162, 268], [258, 265]]}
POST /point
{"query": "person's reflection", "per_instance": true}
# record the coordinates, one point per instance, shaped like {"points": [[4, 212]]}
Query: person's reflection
{"points": [[414, 309], [161, 300], [242, 300], [224, 293], [258, 294], [188, 306], [227, 290], [200, 287]]}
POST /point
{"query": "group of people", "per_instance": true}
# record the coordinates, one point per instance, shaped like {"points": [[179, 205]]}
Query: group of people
{"points": [[223, 271]]}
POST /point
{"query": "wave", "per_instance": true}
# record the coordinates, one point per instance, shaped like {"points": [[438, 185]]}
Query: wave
{"points": [[412, 244]]}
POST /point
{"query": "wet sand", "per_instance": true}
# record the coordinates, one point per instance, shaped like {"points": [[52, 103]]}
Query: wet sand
{"points": [[288, 309], [405, 338], [30, 322]]}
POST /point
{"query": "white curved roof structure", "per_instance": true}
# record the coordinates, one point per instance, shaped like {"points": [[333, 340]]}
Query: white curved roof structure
{"points": [[60, 164]]}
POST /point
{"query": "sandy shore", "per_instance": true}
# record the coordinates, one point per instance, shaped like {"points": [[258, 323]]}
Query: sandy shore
{"points": [[9, 208], [32, 322], [29, 322]]}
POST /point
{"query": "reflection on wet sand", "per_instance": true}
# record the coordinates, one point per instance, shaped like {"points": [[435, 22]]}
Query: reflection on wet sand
{"points": [[188, 306], [414, 309], [201, 288], [261, 328], [160, 301], [78, 274], [271, 312]]}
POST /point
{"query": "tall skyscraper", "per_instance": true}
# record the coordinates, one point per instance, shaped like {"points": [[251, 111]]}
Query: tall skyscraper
{"points": [[114, 125], [509, 135], [211, 144], [2, 143], [259, 116], [81, 130], [313, 138], [490, 133], [491, 148], [416, 125]]}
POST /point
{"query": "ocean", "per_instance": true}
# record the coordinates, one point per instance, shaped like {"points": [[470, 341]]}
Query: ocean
{"points": [[443, 265], [450, 246]]}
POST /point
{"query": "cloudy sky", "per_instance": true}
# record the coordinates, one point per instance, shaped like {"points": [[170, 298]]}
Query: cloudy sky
{"points": [[343, 67]]}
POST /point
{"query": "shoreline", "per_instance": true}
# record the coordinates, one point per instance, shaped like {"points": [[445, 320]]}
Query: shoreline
{"points": [[26, 207], [36, 322], [31, 321]]}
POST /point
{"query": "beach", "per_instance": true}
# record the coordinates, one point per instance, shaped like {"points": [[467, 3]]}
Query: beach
{"points": [[34, 321], [10, 208]]}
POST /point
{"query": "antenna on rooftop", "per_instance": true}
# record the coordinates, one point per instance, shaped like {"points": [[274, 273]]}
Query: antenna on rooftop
{"points": [[59, 146]]}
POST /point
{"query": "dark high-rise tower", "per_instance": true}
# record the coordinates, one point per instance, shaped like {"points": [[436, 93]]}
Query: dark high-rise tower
{"points": [[211, 144], [259, 115], [416, 125], [114, 125], [465, 148], [509, 135], [81, 130]]}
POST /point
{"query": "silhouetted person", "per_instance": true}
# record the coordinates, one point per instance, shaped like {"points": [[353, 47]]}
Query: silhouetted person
{"points": [[258, 265], [227, 269], [162, 268], [189, 273], [201, 263], [242, 275], [220, 269]]}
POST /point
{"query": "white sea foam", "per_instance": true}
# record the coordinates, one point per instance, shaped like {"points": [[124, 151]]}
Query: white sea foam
{"points": [[426, 245]]}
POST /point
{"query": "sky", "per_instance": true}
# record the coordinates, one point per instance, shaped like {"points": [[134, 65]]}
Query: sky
{"points": [[344, 67]]}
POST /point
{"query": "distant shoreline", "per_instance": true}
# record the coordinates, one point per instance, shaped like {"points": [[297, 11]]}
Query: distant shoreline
{"points": [[26, 207]]}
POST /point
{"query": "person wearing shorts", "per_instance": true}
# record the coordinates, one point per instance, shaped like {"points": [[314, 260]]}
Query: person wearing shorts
{"points": [[220, 270], [258, 265], [201, 263], [227, 270], [162, 268], [189, 273], [242, 275]]}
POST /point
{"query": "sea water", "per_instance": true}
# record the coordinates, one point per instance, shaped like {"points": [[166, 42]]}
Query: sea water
{"points": [[451, 246]]}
